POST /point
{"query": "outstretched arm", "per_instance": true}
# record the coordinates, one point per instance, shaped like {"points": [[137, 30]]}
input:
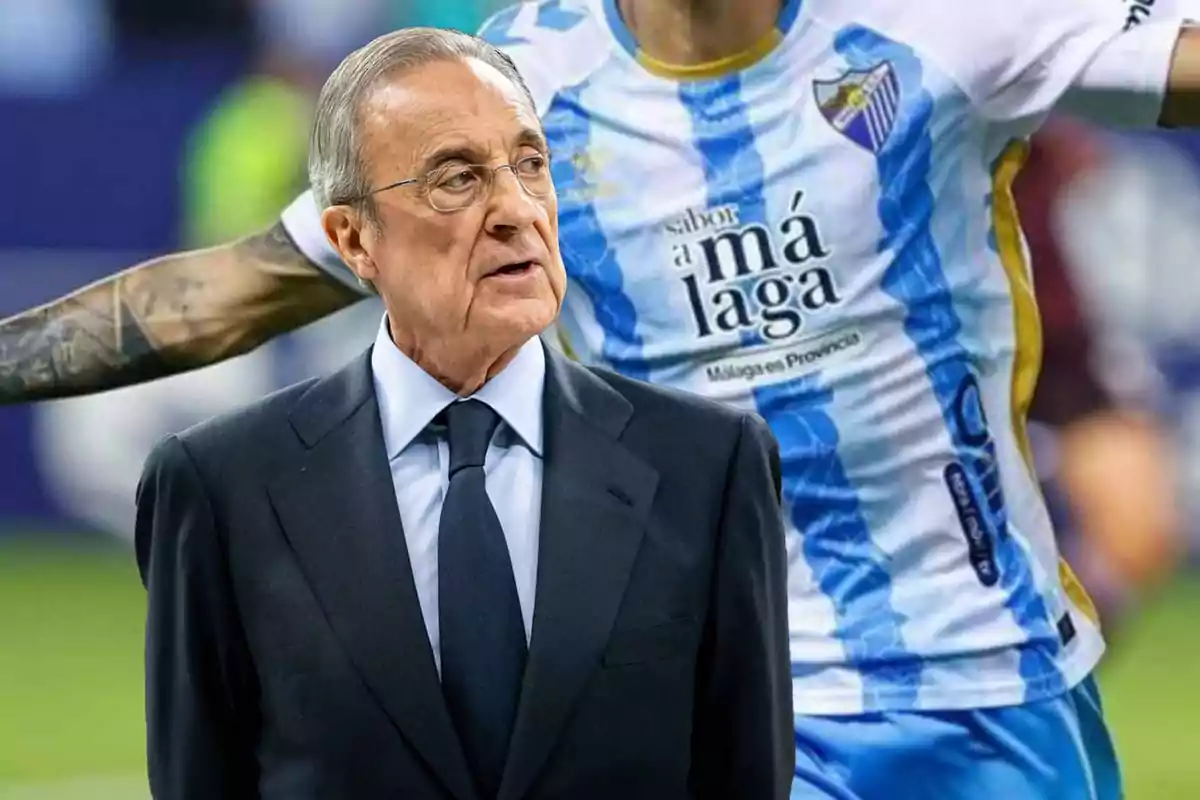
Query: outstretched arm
{"points": [[169, 315], [1181, 107]]}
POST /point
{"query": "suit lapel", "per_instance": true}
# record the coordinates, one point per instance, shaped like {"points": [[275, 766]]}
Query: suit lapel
{"points": [[595, 498], [339, 513]]}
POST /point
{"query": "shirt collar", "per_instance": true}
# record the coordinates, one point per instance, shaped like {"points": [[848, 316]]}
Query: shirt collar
{"points": [[409, 397]]}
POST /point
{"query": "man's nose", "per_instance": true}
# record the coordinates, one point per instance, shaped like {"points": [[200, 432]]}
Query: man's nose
{"points": [[510, 207]]}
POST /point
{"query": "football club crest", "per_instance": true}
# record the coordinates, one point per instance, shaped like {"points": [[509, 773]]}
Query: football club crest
{"points": [[862, 104]]}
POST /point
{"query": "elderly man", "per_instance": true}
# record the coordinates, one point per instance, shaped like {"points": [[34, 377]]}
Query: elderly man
{"points": [[462, 567]]}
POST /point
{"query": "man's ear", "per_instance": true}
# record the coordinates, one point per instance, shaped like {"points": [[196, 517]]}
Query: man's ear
{"points": [[345, 228]]}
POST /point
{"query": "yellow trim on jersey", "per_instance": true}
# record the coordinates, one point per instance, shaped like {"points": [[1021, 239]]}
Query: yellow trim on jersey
{"points": [[1027, 324], [713, 69], [1079, 595]]}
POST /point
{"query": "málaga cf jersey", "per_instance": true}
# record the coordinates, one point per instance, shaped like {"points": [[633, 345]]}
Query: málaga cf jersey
{"points": [[822, 231]]}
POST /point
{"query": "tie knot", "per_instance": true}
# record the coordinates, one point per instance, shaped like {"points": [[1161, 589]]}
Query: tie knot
{"points": [[471, 425]]}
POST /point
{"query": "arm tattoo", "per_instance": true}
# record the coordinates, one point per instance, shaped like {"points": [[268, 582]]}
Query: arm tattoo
{"points": [[74, 347], [167, 316], [274, 246]]}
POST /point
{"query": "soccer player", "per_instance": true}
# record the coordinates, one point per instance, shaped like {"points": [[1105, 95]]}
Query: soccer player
{"points": [[804, 208]]}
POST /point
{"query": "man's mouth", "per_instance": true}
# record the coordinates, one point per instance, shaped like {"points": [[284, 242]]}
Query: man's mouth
{"points": [[513, 270]]}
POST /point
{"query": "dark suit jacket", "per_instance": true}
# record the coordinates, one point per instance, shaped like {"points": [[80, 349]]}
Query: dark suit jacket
{"points": [[286, 655]]}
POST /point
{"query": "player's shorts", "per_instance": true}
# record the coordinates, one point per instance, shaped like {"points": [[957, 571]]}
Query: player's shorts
{"points": [[1057, 749]]}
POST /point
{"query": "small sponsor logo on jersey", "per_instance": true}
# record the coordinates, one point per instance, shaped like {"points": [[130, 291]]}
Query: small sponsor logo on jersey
{"points": [[861, 104], [1066, 629], [980, 548], [766, 366], [593, 170], [746, 278], [974, 481], [1139, 12]]}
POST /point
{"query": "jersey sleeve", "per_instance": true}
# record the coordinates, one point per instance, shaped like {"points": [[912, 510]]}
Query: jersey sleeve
{"points": [[512, 30], [1139, 12], [302, 221], [1016, 59], [1125, 85], [554, 44]]}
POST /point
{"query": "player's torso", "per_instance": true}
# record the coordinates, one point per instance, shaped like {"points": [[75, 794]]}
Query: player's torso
{"points": [[825, 237]]}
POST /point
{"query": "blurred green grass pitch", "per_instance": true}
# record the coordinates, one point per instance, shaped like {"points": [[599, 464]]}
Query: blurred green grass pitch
{"points": [[71, 678]]}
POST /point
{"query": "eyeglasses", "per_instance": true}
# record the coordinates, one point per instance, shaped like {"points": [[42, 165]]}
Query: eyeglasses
{"points": [[457, 186]]}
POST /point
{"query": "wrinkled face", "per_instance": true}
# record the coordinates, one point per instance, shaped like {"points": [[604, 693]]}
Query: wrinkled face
{"points": [[458, 283]]}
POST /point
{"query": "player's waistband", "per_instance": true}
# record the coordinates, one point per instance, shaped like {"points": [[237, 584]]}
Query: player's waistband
{"points": [[1004, 677]]}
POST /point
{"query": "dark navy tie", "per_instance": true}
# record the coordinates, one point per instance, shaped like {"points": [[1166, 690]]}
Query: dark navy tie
{"points": [[482, 632]]}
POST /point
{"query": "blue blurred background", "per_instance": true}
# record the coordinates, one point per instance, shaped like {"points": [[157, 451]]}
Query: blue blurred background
{"points": [[129, 128]]}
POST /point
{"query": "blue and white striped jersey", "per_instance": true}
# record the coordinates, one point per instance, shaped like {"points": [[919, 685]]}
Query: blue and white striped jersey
{"points": [[823, 231]]}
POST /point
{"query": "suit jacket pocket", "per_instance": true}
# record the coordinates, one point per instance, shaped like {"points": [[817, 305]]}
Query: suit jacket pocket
{"points": [[676, 637]]}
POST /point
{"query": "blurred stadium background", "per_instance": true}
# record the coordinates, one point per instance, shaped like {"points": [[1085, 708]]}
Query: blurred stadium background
{"points": [[133, 127]]}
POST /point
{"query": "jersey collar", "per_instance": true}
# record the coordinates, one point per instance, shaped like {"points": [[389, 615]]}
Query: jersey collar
{"points": [[712, 69]]}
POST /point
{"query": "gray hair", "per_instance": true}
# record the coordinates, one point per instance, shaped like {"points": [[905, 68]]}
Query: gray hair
{"points": [[336, 169]]}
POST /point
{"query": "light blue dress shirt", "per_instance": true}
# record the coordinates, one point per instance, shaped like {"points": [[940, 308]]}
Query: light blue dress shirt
{"points": [[409, 398]]}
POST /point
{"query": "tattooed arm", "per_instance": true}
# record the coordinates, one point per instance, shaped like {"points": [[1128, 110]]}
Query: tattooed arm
{"points": [[169, 315]]}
